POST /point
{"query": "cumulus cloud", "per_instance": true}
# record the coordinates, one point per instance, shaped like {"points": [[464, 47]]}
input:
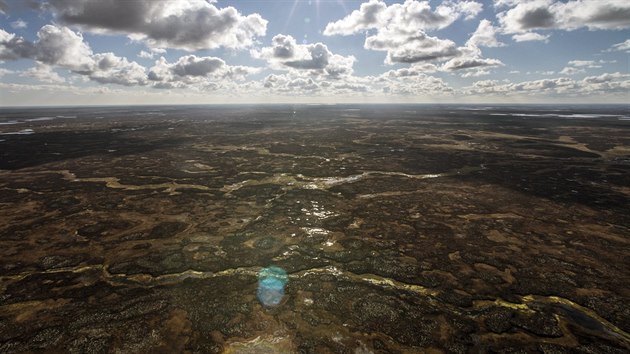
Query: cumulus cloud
{"points": [[185, 24], [476, 73], [411, 16], [401, 28], [530, 36], [111, 69], [318, 56], [285, 53], [370, 15], [485, 35], [592, 14], [524, 16], [61, 47], [580, 66], [340, 88], [19, 24], [195, 66], [151, 53], [569, 70], [191, 70], [503, 3], [145, 55], [623, 46], [302, 84], [605, 84], [411, 81], [469, 58], [468, 63], [13, 47], [410, 48], [606, 78], [586, 63], [290, 84], [535, 86], [413, 70], [43, 73], [5, 72], [420, 84]]}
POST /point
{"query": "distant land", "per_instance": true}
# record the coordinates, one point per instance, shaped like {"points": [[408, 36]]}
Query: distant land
{"points": [[315, 229]]}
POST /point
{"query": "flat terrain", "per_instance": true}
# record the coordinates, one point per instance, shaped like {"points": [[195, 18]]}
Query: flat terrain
{"points": [[403, 229]]}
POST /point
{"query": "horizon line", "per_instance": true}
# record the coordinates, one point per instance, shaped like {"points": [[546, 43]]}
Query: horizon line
{"points": [[317, 104]]}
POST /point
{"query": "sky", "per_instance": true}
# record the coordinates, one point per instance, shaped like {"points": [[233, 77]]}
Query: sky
{"points": [[102, 52]]}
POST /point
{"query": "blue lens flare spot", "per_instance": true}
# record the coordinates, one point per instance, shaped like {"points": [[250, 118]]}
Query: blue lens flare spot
{"points": [[271, 283]]}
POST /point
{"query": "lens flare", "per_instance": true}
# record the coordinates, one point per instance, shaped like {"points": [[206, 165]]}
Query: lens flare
{"points": [[271, 283]]}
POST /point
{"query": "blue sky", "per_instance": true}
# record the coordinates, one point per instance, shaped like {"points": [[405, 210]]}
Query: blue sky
{"points": [[70, 52]]}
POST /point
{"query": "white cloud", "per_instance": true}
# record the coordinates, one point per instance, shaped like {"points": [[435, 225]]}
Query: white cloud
{"points": [[585, 63], [286, 54], [530, 36], [503, 3], [341, 88], [605, 84], [4, 71], [370, 15], [485, 35], [527, 15], [301, 85], [410, 49], [409, 17], [414, 70], [570, 70], [111, 69], [185, 24], [317, 58], [623, 46], [469, 58], [606, 78], [18, 24], [476, 73], [192, 65], [63, 47], [579, 66], [13, 47], [406, 81], [191, 71], [151, 53], [592, 14], [467, 63], [524, 16], [145, 55], [44, 73], [536, 86], [288, 83], [401, 28], [421, 84]]}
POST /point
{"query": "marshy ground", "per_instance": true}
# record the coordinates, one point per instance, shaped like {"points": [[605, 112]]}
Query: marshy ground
{"points": [[402, 229]]}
